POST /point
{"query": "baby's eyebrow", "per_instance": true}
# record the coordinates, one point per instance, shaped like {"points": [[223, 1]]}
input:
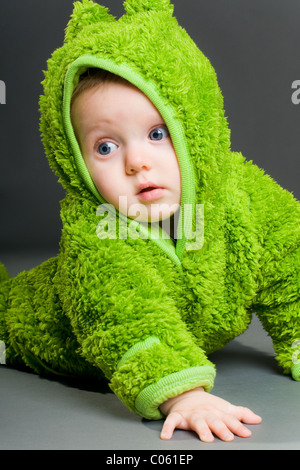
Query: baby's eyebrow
{"points": [[104, 122], [96, 129]]}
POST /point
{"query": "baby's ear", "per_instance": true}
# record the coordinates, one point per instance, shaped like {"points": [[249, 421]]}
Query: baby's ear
{"points": [[135, 6], [85, 13]]}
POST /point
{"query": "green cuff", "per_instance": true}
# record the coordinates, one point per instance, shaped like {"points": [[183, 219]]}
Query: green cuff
{"points": [[148, 401], [295, 370]]}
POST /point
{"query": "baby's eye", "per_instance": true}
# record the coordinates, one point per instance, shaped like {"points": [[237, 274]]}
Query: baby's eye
{"points": [[159, 133], [106, 148]]}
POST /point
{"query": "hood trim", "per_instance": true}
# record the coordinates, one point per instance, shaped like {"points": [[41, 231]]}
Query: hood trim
{"points": [[173, 123]]}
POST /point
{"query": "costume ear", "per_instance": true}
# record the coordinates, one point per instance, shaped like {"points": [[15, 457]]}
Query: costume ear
{"points": [[85, 13], [135, 6]]}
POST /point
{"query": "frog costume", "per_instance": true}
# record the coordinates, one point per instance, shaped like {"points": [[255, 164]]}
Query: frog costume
{"points": [[140, 310]]}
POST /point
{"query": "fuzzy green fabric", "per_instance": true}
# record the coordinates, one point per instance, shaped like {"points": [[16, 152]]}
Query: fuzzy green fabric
{"points": [[141, 312]]}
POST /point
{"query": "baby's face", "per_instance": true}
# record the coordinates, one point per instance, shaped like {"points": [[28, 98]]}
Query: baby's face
{"points": [[128, 151]]}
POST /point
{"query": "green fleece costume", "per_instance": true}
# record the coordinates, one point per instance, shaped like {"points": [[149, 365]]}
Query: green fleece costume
{"points": [[143, 312]]}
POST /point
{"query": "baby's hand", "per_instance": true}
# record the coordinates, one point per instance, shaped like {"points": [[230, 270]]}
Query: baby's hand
{"points": [[199, 411]]}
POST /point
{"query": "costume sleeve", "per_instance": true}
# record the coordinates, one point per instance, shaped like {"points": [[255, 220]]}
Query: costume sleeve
{"points": [[120, 303], [276, 214]]}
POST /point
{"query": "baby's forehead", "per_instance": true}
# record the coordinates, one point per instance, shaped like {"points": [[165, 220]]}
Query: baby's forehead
{"points": [[116, 98], [113, 109]]}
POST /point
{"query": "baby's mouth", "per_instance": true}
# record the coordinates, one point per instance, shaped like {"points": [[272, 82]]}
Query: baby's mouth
{"points": [[149, 191], [150, 188]]}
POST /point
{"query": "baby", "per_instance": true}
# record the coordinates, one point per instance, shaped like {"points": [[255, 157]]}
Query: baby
{"points": [[127, 148], [133, 124]]}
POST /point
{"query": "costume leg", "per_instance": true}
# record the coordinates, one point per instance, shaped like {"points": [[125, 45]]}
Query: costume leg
{"points": [[32, 324], [278, 308]]}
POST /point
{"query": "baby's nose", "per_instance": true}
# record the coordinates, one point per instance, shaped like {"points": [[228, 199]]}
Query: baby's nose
{"points": [[136, 160]]}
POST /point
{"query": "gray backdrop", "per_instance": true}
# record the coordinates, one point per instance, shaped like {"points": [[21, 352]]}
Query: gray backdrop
{"points": [[253, 45]]}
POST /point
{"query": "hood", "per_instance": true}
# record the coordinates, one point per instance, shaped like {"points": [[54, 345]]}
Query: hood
{"points": [[147, 47]]}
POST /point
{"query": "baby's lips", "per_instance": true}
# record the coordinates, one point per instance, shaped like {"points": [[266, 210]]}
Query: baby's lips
{"points": [[151, 195], [146, 186]]}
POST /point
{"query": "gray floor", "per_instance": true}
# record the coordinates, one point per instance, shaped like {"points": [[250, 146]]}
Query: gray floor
{"points": [[38, 413]]}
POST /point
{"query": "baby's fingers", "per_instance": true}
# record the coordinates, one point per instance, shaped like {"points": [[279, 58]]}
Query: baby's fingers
{"points": [[195, 423], [247, 416], [225, 428], [224, 425], [172, 421], [235, 427]]}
